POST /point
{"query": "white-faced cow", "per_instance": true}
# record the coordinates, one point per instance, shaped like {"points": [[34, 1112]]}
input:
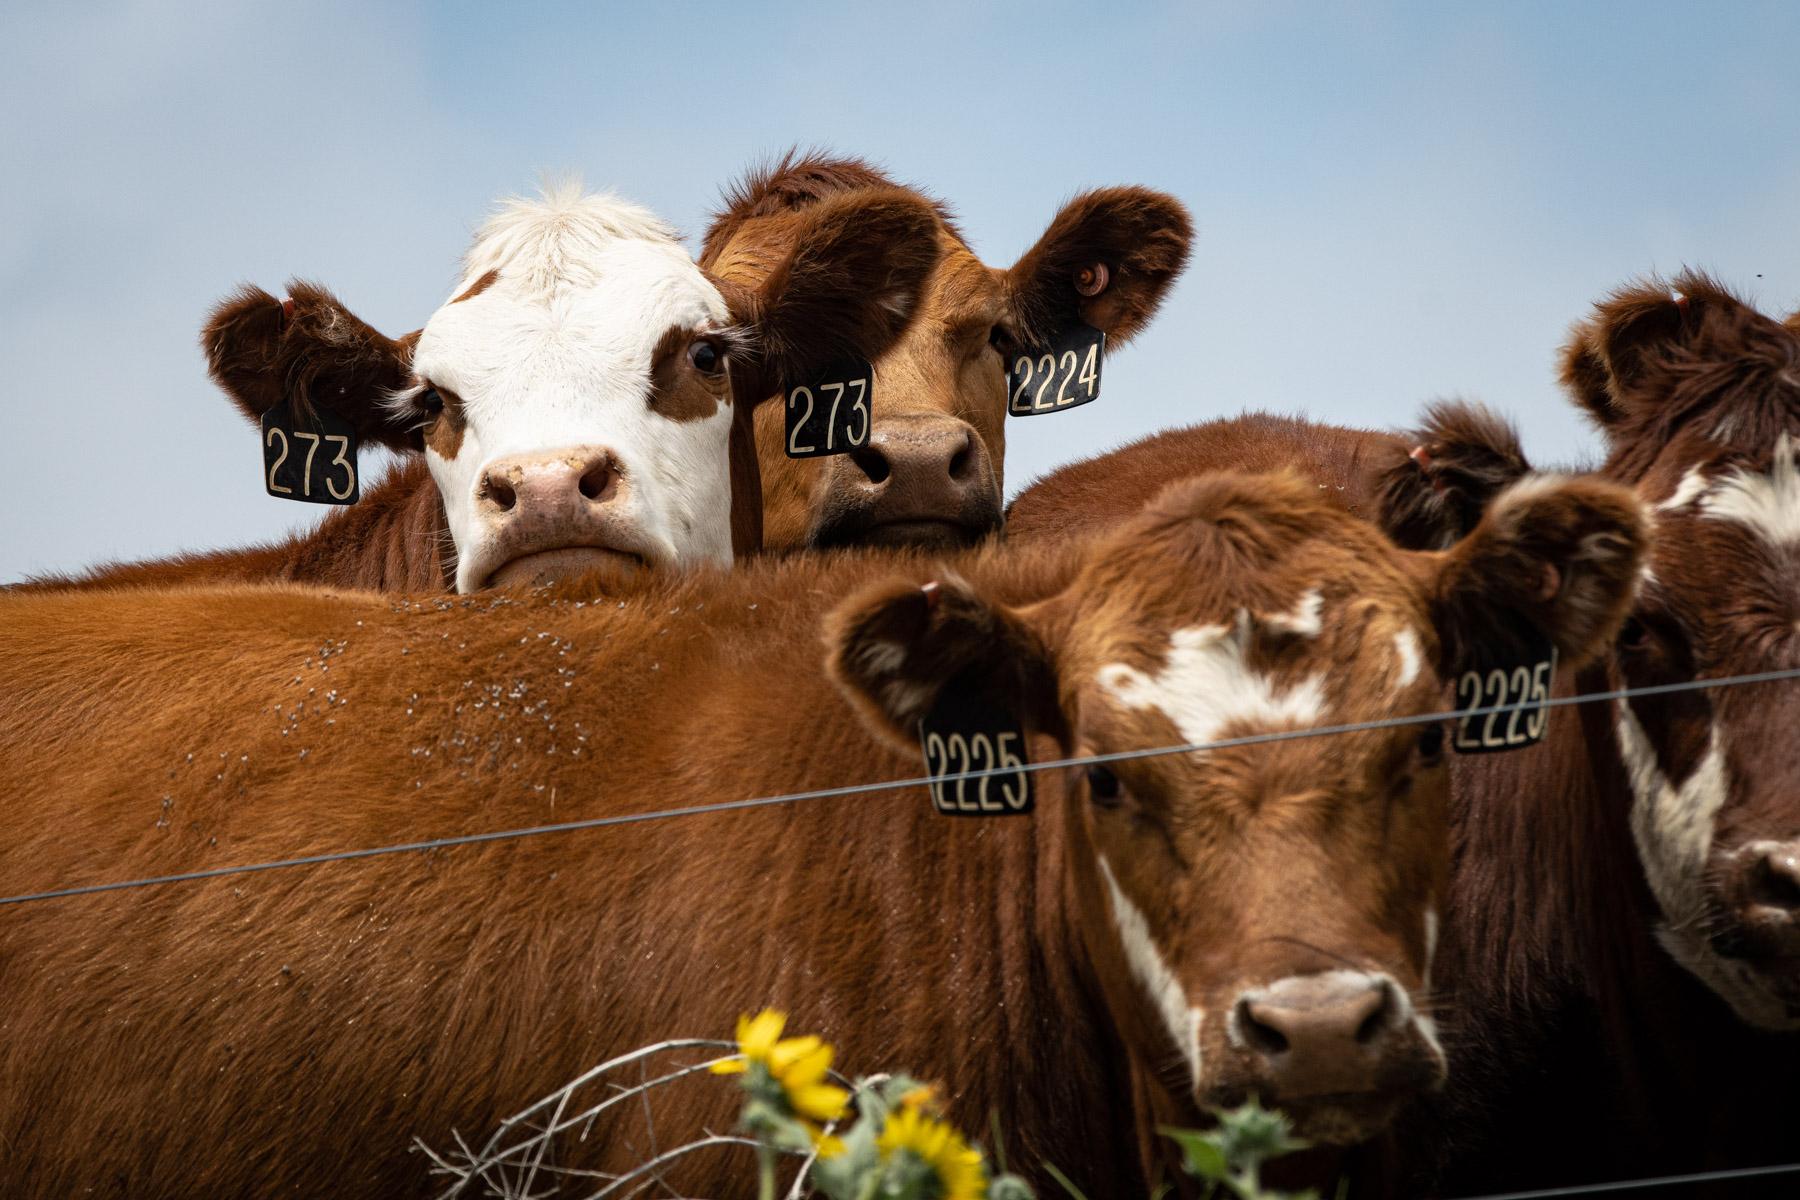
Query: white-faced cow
{"points": [[1159, 935], [582, 400]]}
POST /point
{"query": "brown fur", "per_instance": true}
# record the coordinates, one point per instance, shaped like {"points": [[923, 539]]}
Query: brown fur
{"points": [[311, 352], [947, 372], [316, 1020], [1461, 457]]}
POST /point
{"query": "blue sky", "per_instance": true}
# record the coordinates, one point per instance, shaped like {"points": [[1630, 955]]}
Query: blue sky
{"points": [[1394, 202]]}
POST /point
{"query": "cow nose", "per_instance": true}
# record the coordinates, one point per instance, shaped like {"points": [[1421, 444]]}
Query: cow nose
{"points": [[1769, 883], [518, 487], [922, 456], [1339, 1032], [922, 478]]}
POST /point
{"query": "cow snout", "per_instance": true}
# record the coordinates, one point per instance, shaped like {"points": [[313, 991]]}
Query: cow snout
{"points": [[544, 517], [922, 479], [1763, 886], [1341, 1049]]}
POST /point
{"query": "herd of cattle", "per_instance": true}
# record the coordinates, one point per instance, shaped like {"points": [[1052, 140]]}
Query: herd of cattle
{"points": [[1576, 959]]}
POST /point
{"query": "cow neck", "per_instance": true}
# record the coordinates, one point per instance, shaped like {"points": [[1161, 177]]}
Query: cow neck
{"points": [[395, 539]]}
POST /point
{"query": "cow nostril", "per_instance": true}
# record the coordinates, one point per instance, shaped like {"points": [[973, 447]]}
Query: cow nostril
{"points": [[960, 461], [873, 463], [1375, 1024], [1265, 1038], [499, 493], [1775, 882], [596, 479]]}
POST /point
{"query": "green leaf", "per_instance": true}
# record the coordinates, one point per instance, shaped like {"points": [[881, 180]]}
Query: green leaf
{"points": [[1201, 1155]]}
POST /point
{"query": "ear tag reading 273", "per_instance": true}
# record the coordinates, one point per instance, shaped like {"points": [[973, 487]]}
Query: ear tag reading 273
{"points": [[1525, 682], [830, 413], [1055, 378], [964, 732], [310, 461]]}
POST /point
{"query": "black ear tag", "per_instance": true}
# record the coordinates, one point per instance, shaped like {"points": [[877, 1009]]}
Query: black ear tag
{"points": [[1055, 378], [830, 412], [1523, 679], [967, 730], [313, 461]]}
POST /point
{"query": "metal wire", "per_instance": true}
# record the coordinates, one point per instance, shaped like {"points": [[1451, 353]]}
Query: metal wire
{"points": [[501, 835], [1620, 1185]]}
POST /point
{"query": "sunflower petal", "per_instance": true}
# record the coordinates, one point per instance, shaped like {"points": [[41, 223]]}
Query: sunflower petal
{"points": [[821, 1101], [729, 1066], [805, 1070], [757, 1035], [789, 1050]]}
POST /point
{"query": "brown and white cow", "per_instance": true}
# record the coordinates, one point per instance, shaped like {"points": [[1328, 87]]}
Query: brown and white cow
{"points": [[1161, 934], [581, 401], [932, 471], [1644, 833]]}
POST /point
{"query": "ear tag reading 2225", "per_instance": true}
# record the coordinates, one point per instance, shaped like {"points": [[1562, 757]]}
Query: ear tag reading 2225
{"points": [[964, 732], [1525, 682], [311, 461], [1062, 375], [830, 414]]}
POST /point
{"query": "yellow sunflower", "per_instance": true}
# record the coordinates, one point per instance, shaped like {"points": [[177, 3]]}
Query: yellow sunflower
{"points": [[957, 1168], [799, 1065]]}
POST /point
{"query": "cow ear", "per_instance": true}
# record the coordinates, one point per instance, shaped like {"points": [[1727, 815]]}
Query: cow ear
{"points": [[1107, 259], [1641, 340], [1554, 557], [309, 352], [895, 648], [1443, 475], [848, 288]]}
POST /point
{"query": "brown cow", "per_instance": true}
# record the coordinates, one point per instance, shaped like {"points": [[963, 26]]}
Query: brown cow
{"points": [[1162, 933], [573, 402], [931, 472], [1625, 919]]}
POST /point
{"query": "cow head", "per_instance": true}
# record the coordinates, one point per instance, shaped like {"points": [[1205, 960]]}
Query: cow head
{"points": [[931, 471], [1262, 917], [583, 398], [1698, 396]]}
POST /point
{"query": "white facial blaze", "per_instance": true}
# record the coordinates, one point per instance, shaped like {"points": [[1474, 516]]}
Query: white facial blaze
{"points": [[1673, 828], [1153, 974], [1406, 652], [554, 356], [1691, 487], [1768, 504], [1304, 619], [1206, 685]]}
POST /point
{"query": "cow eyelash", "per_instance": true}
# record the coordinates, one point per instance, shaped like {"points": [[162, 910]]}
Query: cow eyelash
{"points": [[1104, 787]]}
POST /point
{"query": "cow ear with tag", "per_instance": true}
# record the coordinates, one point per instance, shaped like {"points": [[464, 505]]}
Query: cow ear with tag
{"points": [[1106, 262], [897, 648], [1554, 561], [311, 459]]}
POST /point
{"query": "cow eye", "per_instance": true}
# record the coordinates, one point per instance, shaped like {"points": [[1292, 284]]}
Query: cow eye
{"points": [[1103, 785], [706, 358], [431, 401], [998, 338], [1633, 635], [1431, 744]]}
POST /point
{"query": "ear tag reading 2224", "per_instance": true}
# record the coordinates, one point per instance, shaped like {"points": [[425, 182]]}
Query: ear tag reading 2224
{"points": [[830, 413], [965, 732], [1062, 375], [310, 461], [1525, 682]]}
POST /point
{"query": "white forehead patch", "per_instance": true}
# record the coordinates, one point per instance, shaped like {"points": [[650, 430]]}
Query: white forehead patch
{"points": [[1406, 651], [1153, 974], [1769, 504], [1692, 485], [1304, 619], [1206, 685]]}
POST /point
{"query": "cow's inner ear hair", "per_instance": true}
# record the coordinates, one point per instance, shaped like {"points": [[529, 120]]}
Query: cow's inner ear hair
{"points": [[895, 647]]}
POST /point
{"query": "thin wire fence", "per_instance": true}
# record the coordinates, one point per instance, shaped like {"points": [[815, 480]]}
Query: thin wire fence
{"points": [[1658, 1181], [501, 835]]}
